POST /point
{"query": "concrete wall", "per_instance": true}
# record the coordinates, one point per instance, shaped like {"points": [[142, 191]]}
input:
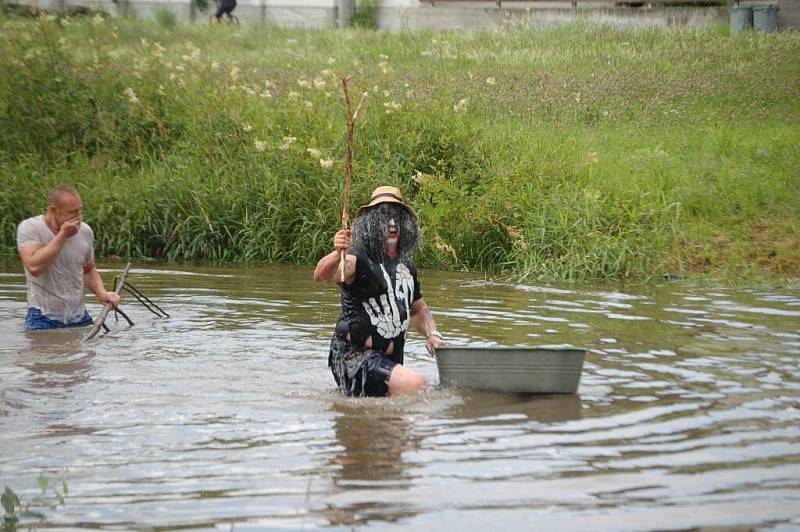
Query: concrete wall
{"points": [[544, 14], [284, 13], [789, 14], [414, 14]]}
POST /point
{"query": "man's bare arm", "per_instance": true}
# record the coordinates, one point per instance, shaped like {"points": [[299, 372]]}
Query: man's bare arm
{"points": [[38, 259], [423, 322], [93, 281], [328, 268]]}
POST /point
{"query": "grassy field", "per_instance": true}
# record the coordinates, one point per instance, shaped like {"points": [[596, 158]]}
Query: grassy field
{"points": [[576, 153]]}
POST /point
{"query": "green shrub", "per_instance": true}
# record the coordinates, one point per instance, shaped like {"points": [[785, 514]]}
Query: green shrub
{"points": [[568, 153], [166, 18], [364, 15]]}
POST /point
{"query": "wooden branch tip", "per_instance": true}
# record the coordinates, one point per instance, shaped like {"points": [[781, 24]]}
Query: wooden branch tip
{"points": [[358, 107]]}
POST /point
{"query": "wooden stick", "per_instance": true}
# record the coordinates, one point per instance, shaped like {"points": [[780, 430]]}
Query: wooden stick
{"points": [[348, 165], [102, 317]]}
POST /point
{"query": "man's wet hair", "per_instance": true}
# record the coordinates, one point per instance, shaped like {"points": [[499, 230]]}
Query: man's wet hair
{"points": [[370, 228], [58, 192]]}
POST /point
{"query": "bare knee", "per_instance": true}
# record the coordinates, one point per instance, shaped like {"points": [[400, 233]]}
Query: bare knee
{"points": [[403, 381], [417, 382]]}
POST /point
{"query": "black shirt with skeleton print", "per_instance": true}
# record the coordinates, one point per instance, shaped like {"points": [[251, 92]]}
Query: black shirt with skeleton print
{"points": [[378, 302]]}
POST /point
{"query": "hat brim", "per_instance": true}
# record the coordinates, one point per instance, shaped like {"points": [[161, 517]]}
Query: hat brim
{"points": [[386, 199]]}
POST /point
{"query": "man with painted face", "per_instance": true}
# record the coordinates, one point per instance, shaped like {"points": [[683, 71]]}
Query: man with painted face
{"points": [[56, 249], [380, 297]]}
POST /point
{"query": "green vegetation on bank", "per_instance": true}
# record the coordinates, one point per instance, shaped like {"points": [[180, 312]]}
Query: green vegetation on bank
{"points": [[572, 153], [20, 514]]}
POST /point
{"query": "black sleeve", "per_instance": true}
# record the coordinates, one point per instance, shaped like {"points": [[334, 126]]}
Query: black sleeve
{"points": [[417, 288], [362, 265]]}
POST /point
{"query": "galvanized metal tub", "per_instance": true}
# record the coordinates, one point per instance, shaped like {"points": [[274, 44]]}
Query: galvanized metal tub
{"points": [[511, 369]]}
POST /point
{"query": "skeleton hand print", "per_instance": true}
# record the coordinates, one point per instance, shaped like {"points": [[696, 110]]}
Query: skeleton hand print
{"points": [[405, 285], [385, 315]]}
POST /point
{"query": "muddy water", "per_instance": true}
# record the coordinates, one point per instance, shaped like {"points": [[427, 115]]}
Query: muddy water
{"points": [[225, 415]]}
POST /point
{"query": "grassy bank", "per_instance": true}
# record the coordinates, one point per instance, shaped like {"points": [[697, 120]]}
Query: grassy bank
{"points": [[571, 153]]}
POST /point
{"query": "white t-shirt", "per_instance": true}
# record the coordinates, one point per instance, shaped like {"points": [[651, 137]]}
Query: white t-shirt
{"points": [[58, 293]]}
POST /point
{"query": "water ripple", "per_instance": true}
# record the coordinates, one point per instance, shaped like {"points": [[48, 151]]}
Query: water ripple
{"points": [[225, 415]]}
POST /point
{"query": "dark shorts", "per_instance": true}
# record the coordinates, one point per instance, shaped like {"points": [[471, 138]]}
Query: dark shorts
{"points": [[36, 321], [225, 8], [359, 373]]}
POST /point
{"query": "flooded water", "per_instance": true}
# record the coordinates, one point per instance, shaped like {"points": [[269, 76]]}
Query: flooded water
{"points": [[224, 415]]}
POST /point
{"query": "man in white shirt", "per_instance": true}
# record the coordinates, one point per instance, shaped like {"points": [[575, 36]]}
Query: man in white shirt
{"points": [[57, 250]]}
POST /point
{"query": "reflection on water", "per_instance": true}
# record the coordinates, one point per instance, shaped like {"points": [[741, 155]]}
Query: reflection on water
{"points": [[373, 440], [541, 408], [225, 414], [373, 444], [56, 359], [53, 363]]}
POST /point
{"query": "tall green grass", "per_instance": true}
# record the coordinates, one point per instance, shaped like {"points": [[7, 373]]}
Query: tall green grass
{"points": [[570, 153]]}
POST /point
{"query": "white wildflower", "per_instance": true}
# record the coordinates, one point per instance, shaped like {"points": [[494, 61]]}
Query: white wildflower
{"points": [[313, 152], [287, 141], [490, 81], [331, 60], [320, 84], [327, 164], [391, 106], [293, 95], [246, 127], [260, 146], [461, 106], [308, 104], [304, 83], [132, 98], [421, 178]]}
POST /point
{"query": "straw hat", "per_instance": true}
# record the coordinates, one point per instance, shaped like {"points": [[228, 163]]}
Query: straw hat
{"points": [[385, 195]]}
